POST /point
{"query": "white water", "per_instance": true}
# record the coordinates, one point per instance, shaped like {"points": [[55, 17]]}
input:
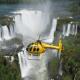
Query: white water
{"points": [[69, 29], [30, 24], [12, 30], [32, 69], [52, 31], [5, 34], [35, 69], [74, 29], [5, 31], [10, 58], [0, 34]]}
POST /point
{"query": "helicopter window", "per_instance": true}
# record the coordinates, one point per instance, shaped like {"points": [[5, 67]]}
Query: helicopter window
{"points": [[30, 48], [37, 49], [34, 49]]}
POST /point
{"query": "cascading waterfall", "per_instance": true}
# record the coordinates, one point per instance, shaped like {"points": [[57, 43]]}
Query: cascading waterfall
{"points": [[10, 58], [12, 30], [74, 29], [29, 24], [64, 30], [5, 34], [69, 29], [52, 31], [32, 21], [0, 33], [32, 69]]}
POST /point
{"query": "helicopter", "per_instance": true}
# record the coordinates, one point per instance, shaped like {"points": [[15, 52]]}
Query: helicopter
{"points": [[38, 47]]}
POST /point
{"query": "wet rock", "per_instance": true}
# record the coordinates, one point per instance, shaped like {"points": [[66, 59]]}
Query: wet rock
{"points": [[11, 47]]}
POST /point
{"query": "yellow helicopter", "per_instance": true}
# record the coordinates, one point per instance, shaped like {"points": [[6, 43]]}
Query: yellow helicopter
{"points": [[37, 48]]}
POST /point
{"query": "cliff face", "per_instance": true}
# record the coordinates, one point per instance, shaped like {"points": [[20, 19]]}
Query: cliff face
{"points": [[6, 20]]}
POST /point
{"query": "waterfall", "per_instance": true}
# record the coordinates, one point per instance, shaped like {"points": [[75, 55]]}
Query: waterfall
{"points": [[5, 34], [0, 33], [10, 58], [31, 23], [35, 69], [64, 31], [32, 69], [23, 62], [74, 29], [52, 31], [69, 29], [12, 30]]}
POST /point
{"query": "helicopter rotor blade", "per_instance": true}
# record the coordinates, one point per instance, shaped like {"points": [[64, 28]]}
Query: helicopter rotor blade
{"points": [[40, 43]]}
